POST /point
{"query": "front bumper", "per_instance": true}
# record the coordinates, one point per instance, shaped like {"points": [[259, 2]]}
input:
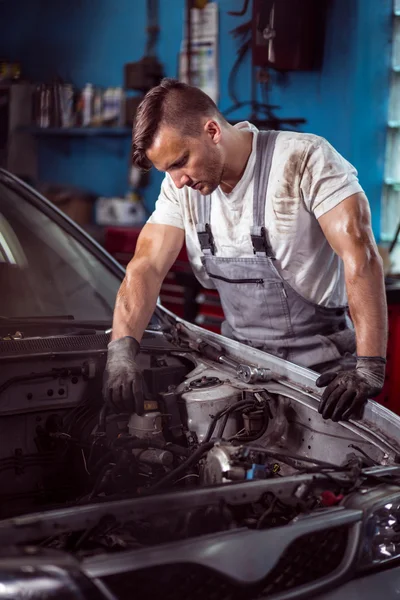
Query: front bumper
{"points": [[308, 558], [312, 555], [382, 584]]}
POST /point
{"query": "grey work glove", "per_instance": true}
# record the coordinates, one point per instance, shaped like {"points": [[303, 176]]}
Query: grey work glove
{"points": [[348, 391], [123, 386]]}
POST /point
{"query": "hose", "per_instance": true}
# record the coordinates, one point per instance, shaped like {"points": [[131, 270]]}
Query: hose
{"points": [[30, 377], [143, 444], [222, 426], [176, 473], [102, 418], [244, 48], [53, 374], [99, 481], [256, 436], [242, 404], [296, 457]]}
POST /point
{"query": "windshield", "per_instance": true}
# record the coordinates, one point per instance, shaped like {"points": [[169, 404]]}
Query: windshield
{"points": [[44, 271]]}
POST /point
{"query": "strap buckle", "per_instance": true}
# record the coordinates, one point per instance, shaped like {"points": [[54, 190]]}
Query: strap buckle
{"points": [[261, 243], [206, 239]]}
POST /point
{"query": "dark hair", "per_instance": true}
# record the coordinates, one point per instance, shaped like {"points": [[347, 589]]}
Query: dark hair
{"points": [[171, 103]]}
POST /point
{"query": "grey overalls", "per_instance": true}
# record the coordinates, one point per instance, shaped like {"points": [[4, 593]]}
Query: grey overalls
{"points": [[260, 307]]}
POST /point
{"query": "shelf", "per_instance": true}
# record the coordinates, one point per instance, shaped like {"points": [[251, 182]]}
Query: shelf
{"points": [[394, 124], [80, 131]]}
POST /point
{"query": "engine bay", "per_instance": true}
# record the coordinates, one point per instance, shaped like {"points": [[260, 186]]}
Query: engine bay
{"points": [[206, 423]]}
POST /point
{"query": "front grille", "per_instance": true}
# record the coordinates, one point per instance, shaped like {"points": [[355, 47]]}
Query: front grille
{"points": [[306, 560]]}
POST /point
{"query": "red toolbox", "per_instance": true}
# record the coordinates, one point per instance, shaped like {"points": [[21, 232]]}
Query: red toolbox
{"points": [[390, 395]]}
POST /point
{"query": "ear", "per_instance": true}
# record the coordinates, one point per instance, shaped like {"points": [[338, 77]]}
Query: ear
{"points": [[213, 131]]}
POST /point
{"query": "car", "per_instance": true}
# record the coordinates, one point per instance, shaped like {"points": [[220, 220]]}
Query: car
{"points": [[230, 485]]}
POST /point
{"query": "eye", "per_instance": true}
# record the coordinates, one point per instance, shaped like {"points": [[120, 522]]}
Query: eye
{"points": [[180, 163]]}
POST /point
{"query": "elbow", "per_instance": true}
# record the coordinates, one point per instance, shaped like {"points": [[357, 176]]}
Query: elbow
{"points": [[364, 265]]}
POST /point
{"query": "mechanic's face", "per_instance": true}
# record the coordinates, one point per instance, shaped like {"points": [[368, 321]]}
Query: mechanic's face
{"points": [[197, 162]]}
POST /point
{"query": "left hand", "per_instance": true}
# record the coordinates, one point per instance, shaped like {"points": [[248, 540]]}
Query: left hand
{"points": [[348, 391]]}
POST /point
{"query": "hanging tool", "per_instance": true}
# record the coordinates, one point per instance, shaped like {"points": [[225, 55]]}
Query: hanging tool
{"points": [[246, 373], [242, 12], [394, 240]]}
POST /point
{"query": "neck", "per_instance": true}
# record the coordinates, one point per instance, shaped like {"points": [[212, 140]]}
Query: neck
{"points": [[238, 149]]}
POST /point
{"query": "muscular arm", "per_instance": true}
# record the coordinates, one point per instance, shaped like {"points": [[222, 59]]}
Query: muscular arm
{"points": [[347, 228], [156, 251]]}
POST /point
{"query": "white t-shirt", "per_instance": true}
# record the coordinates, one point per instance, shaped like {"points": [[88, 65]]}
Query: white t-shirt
{"points": [[308, 178]]}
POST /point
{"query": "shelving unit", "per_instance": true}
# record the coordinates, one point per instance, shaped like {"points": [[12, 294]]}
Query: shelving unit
{"points": [[80, 131], [63, 136], [391, 188]]}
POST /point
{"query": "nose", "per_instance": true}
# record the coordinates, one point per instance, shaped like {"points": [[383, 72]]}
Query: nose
{"points": [[181, 180]]}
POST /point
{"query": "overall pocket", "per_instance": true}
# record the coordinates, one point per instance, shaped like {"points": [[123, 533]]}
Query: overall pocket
{"points": [[255, 307]]}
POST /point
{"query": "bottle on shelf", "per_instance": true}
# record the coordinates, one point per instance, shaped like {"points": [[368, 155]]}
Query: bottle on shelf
{"points": [[87, 108]]}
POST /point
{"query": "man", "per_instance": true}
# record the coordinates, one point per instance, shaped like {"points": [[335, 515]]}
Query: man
{"points": [[279, 224]]}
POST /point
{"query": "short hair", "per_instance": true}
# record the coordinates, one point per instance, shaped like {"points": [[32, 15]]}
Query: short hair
{"points": [[171, 103]]}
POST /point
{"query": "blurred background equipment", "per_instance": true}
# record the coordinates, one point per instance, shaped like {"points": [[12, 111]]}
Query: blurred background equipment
{"points": [[60, 105], [280, 36], [120, 211], [288, 35], [76, 203]]}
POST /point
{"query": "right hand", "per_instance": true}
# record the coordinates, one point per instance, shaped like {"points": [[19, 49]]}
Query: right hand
{"points": [[123, 385]]}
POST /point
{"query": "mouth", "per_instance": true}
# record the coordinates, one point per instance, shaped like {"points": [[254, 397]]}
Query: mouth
{"points": [[197, 186]]}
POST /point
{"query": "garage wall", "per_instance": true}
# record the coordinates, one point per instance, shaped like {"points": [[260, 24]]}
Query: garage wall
{"points": [[82, 40]]}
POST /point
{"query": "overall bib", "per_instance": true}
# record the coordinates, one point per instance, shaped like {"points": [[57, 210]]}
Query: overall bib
{"points": [[261, 309]]}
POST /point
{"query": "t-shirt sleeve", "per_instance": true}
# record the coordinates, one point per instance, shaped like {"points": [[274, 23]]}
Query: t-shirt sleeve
{"points": [[168, 209], [327, 178]]}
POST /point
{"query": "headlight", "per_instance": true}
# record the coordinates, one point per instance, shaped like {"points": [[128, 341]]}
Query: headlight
{"points": [[381, 542]]}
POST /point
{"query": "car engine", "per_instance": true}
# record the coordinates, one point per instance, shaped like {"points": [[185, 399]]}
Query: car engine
{"points": [[58, 440], [207, 421]]}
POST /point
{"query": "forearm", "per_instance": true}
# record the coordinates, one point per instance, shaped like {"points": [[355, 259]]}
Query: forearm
{"points": [[367, 302], [136, 300]]}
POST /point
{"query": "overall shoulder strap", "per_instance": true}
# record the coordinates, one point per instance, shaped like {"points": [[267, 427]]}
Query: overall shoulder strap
{"points": [[265, 151], [203, 227]]}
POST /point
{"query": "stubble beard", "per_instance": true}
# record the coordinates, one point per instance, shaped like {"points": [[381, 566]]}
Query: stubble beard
{"points": [[214, 178]]}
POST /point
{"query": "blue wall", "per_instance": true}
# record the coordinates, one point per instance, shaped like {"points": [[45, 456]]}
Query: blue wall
{"points": [[82, 40]]}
